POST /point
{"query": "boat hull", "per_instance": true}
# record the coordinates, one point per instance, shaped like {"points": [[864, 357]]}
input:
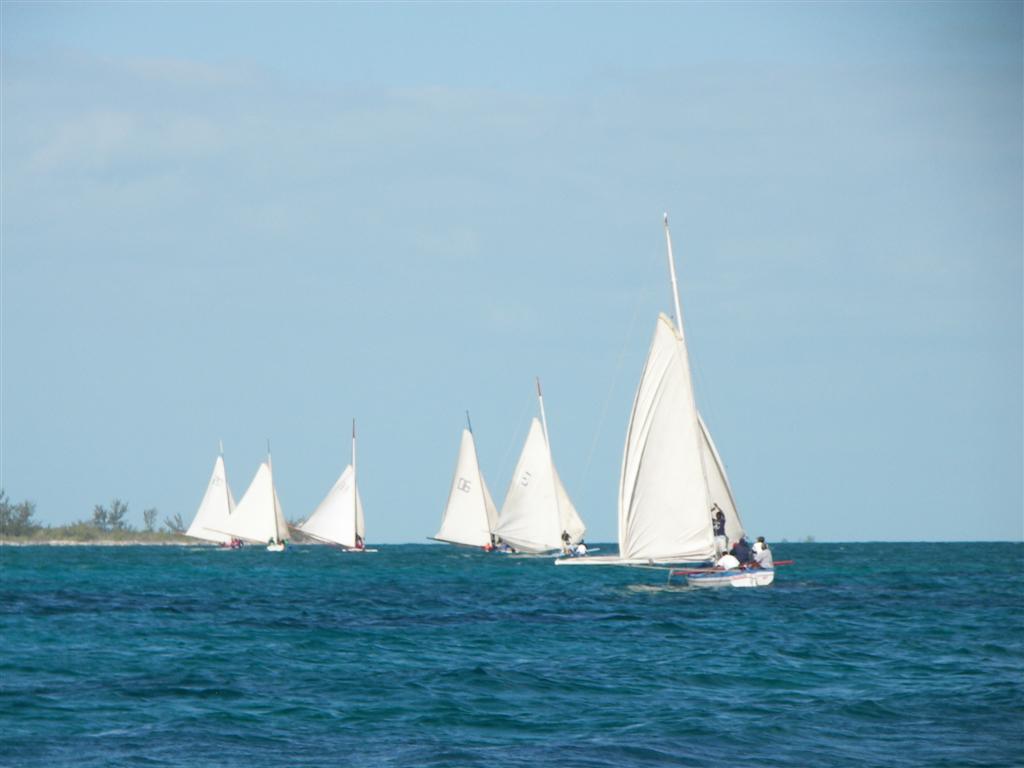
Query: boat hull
{"points": [[760, 577]]}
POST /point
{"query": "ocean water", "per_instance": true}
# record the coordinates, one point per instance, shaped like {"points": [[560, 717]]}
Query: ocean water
{"points": [[428, 655]]}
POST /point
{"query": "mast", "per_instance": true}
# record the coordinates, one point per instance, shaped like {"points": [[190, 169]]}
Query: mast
{"points": [[479, 474], [672, 274], [551, 460], [679, 328], [273, 494], [227, 489], [355, 488]]}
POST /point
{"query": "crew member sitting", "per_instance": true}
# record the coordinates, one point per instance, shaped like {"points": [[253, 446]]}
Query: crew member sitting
{"points": [[762, 554], [741, 549], [727, 562], [580, 549]]}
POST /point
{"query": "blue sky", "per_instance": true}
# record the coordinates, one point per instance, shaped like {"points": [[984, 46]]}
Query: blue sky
{"points": [[250, 221]]}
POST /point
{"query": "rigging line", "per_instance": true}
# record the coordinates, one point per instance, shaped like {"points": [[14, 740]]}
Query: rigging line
{"points": [[611, 389], [515, 436]]}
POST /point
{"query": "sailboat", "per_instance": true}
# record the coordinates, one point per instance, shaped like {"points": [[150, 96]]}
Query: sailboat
{"points": [[258, 518], [215, 508], [538, 516], [338, 519], [470, 515], [673, 478]]}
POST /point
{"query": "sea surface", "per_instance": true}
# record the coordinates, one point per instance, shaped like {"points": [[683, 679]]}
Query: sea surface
{"points": [[428, 655]]}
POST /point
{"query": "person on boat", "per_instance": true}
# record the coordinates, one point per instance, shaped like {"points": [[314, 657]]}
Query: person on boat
{"points": [[741, 550], [727, 562], [580, 550], [762, 554], [566, 545], [359, 542], [718, 527]]}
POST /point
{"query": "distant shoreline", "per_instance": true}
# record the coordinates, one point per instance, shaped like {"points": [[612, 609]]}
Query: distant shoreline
{"points": [[100, 543]]}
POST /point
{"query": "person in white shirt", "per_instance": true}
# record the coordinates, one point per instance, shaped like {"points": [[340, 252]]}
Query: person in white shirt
{"points": [[762, 554], [727, 562]]}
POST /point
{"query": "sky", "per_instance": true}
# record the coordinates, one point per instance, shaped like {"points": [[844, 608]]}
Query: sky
{"points": [[244, 222]]}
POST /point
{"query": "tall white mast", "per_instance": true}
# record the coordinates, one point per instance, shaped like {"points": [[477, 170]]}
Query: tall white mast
{"points": [[227, 488], [355, 488], [551, 460], [679, 328], [672, 273], [273, 494], [479, 474]]}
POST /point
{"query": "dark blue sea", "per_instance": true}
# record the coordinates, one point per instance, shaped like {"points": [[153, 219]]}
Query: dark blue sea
{"points": [[427, 655]]}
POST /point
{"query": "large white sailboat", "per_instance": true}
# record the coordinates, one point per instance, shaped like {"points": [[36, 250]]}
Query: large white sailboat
{"points": [[258, 518], [470, 516], [338, 519], [673, 479], [215, 508], [538, 516]]}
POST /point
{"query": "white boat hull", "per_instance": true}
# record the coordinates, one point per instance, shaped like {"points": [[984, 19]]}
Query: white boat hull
{"points": [[275, 547], [759, 577]]}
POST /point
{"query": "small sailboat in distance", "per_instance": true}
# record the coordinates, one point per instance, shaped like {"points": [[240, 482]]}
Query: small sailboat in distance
{"points": [[673, 479], [338, 519], [258, 518], [538, 516], [470, 515], [215, 508]]}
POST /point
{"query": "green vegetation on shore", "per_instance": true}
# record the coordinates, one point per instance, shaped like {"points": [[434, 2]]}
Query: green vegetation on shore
{"points": [[108, 524]]}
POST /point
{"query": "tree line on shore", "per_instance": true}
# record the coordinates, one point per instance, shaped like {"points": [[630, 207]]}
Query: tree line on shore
{"points": [[17, 521]]}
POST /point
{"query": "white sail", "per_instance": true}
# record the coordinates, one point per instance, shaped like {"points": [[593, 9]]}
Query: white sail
{"points": [[214, 509], [258, 517], [470, 513], [339, 517], [664, 505], [532, 518], [719, 490]]}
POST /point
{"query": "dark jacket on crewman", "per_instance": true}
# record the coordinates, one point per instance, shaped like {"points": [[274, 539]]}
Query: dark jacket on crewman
{"points": [[741, 551]]}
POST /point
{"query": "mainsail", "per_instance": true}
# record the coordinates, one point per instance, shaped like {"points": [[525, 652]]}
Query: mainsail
{"points": [[339, 517], [258, 517], [664, 504], [470, 514], [537, 508], [214, 509]]}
